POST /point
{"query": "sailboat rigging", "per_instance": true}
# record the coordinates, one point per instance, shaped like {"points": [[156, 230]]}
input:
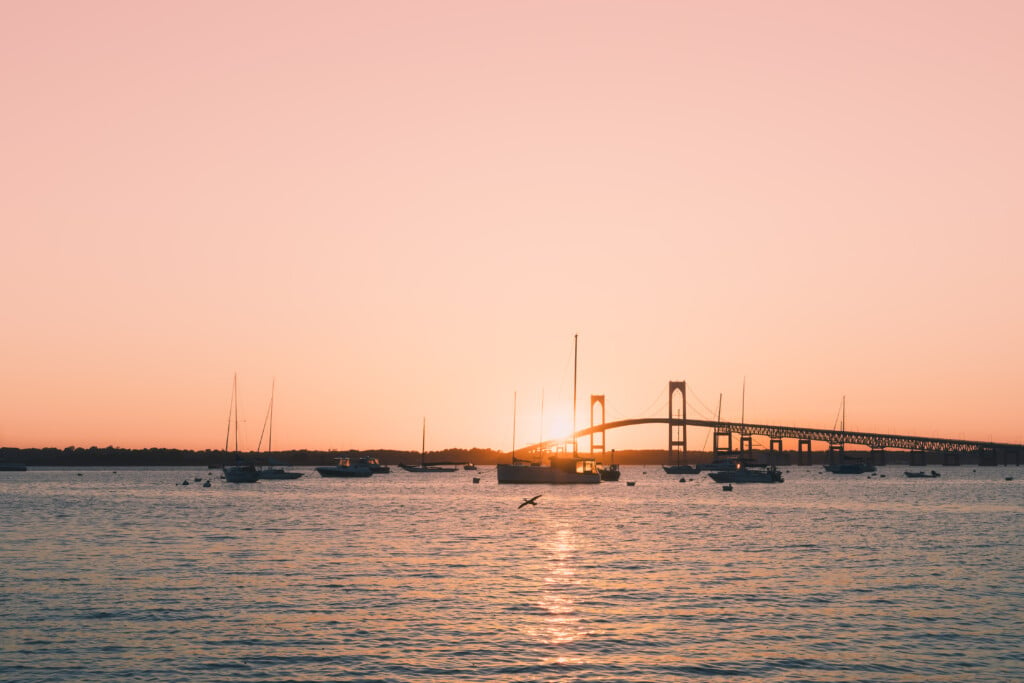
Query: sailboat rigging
{"points": [[240, 472], [270, 471], [561, 469], [424, 466]]}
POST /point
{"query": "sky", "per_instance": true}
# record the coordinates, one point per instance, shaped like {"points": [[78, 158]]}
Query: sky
{"points": [[404, 211]]}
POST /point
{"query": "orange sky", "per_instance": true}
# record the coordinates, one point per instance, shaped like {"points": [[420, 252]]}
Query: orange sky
{"points": [[407, 209]]}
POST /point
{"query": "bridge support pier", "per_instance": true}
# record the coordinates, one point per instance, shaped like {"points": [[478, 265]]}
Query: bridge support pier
{"points": [[676, 444], [746, 443], [775, 454], [802, 446], [717, 447], [951, 459]]}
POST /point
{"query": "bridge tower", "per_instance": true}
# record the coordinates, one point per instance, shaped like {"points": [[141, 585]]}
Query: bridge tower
{"points": [[675, 444], [597, 399]]}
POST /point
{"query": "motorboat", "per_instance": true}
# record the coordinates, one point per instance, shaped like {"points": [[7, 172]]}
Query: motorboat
{"points": [[561, 469], [921, 475], [609, 472], [274, 472], [345, 467], [242, 473], [748, 475], [850, 467], [375, 465]]}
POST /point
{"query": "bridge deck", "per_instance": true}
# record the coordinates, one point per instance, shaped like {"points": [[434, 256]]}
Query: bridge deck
{"points": [[872, 440]]}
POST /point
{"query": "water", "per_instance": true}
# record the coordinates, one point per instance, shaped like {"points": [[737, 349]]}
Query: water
{"points": [[128, 575]]}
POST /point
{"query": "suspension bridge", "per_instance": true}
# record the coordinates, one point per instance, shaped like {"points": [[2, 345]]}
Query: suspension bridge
{"points": [[832, 441]]}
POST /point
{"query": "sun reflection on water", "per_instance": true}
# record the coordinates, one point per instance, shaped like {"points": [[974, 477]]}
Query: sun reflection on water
{"points": [[558, 593]]}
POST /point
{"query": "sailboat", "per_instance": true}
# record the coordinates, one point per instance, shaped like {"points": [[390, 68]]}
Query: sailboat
{"points": [[424, 466], [561, 468], [847, 464], [240, 472], [271, 471]]}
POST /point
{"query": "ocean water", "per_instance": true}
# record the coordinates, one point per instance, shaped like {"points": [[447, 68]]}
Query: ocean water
{"points": [[128, 575]]}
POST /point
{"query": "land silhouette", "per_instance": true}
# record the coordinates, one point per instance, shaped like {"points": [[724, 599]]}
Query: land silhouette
{"points": [[113, 456]]}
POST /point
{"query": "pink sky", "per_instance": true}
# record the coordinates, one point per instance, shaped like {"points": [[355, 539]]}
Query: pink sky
{"points": [[407, 209]]}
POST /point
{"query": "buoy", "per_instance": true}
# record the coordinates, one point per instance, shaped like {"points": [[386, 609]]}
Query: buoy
{"points": [[682, 479], [206, 484], [476, 480]]}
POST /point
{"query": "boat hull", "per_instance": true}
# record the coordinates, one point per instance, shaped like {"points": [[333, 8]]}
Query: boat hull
{"points": [[347, 472], [241, 474], [744, 477], [680, 469], [534, 474], [747, 476], [279, 474], [426, 468], [850, 468]]}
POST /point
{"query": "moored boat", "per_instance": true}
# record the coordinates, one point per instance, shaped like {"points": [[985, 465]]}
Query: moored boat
{"points": [[568, 468], [850, 467], [345, 467], [272, 470], [921, 475], [561, 469], [242, 473], [748, 475], [680, 469], [425, 466]]}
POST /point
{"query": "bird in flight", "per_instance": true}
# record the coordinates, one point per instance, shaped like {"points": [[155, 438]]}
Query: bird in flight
{"points": [[529, 501]]}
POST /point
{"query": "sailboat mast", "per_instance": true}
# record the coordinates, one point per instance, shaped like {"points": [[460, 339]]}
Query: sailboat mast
{"points": [[514, 426], [743, 402], [236, 413], [423, 443], [231, 409], [270, 434], [541, 440], [575, 347]]}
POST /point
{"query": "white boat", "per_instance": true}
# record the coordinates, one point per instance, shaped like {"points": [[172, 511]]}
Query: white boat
{"points": [[560, 469]]}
